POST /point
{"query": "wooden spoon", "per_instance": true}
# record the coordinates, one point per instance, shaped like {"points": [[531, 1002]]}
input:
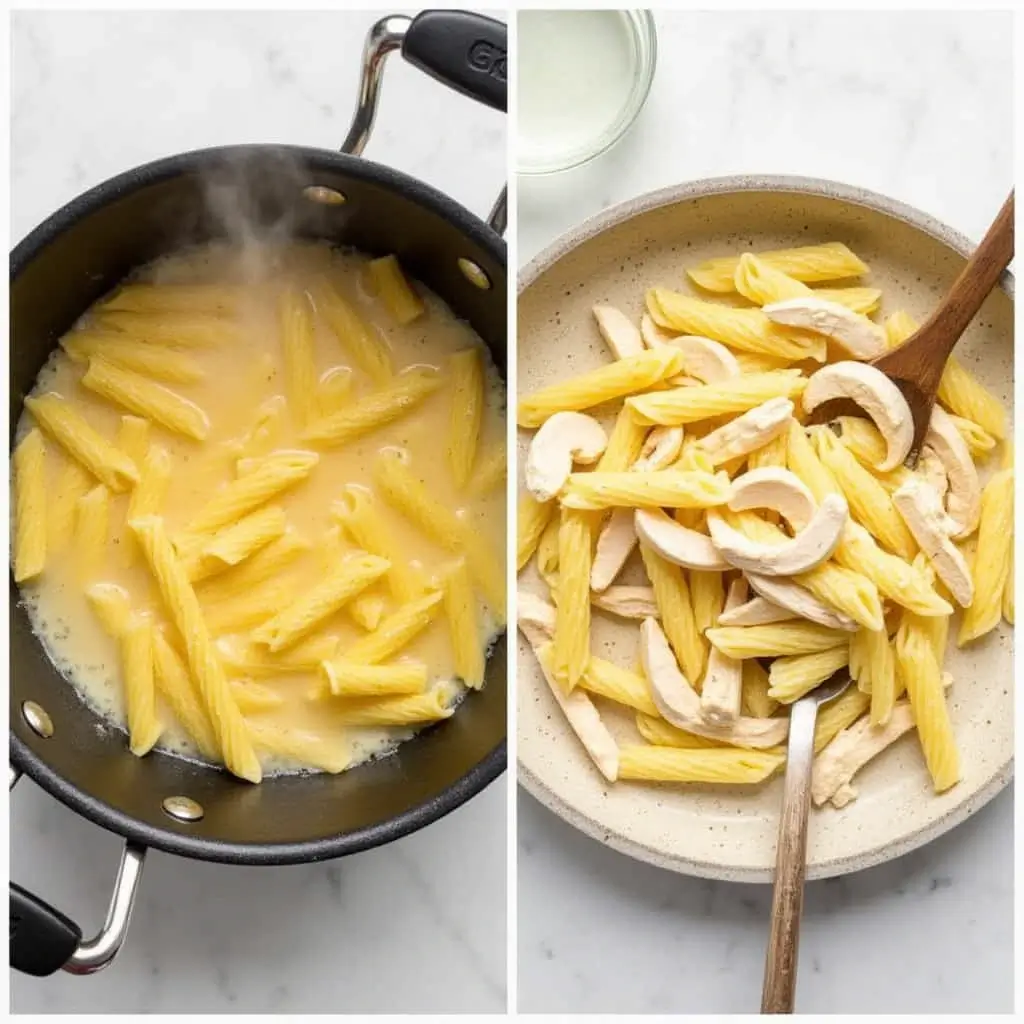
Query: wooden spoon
{"points": [[791, 856], [916, 366]]}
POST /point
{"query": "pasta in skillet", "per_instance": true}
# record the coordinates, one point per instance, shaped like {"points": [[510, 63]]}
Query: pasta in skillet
{"points": [[234, 529], [727, 514]]}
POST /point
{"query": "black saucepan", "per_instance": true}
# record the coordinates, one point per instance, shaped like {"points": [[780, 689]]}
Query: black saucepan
{"points": [[76, 256]]}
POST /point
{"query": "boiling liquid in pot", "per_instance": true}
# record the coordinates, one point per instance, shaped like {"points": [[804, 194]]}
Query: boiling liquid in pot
{"points": [[238, 380]]}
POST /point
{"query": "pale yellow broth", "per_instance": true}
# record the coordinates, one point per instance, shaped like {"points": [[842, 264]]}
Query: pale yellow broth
{"points": [[238, 379]]}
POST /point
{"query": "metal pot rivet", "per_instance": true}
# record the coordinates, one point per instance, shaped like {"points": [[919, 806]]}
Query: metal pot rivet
{"points": [[38, 720], [183, 808], [474, 274], [325, 196]]}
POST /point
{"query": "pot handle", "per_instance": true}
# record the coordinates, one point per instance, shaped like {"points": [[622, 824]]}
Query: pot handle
{"points": [[43, 940], [465, 51]]}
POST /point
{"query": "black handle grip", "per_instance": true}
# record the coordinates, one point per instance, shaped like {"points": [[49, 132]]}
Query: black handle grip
{"points": [[42, 939], [465, 51]]}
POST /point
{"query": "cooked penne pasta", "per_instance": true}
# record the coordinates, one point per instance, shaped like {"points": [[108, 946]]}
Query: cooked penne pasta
{"points": [[571, 648], [869, 503], [301, 381], [980, 442], [366, 610], [397, 630], [155, 361], [139, 689], [173, 298], [991, 568], [623, 377], [133, 438], [247, 609], [183, 607], [794, 676], [466, 413], [738, 394], [274, 475], [668, 488], [314, 606], [618, 684], [357, 337], [533, 517], [463, 625], [350, 679], [748, 330], [776, 640], [845, 590], [922, 678], [491, 470], [112, 607], [676, 606], [72, 483], [179, 330], [358, 513], [547, 553], [173, 683], [253, 698], [70, 430], [394, 290], [268, 562], [754, 699], [837, 715], [831, 261], [234, 544], [660, 734], [333, 392], [673, 764], [398, 397], [29, 507], [140, 395], [432, 706], [92, 529]]}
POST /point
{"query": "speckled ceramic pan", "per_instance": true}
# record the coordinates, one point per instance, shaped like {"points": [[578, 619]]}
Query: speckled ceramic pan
{"points": [[730, 833]]}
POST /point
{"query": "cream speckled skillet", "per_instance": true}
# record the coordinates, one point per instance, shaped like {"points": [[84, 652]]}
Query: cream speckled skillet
{"points": [[730, 833]]}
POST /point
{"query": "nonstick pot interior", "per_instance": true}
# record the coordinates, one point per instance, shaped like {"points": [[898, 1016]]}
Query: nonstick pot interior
{"points": [[57, 272]]}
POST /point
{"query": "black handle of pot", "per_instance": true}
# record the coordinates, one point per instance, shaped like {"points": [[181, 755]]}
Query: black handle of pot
{"points": [[42, 938], [465, 51]]}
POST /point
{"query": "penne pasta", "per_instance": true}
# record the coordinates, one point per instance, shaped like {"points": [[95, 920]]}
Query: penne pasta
{"points": [[357, 337], [668, 488], [417, 709], [616, 380], [139, 689], [155, 361], [533, 517], [179, 330], [991, 569], [29, 507], [738, 394], [463, 625], [397, 398], [775, 640], [92, 529], [396, 631], [330, 755], [721, 765], [301, 379], [618, 684], [358, 514], [676, 607], [350, 679], [571, 646], [394, 290], [183, 607], [793, 677], [147, 398], [72, 483], [70, 430], [174, 684], [314, 606], [831, 261], [466, 413]]}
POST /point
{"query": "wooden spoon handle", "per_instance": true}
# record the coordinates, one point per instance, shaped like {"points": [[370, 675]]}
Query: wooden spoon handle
{"points": [[979, 277], [777, 996]]}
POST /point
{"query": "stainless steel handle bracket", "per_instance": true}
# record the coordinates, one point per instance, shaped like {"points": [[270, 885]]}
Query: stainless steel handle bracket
{"points": [[383, 39], [96, 953]]}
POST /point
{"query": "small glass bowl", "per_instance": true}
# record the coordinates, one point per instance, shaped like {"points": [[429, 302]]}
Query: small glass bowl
{"points": [[644, 38]]}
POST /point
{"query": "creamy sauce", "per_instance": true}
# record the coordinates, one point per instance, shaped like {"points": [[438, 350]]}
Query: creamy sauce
{"points": [[239, 378], [575, 74]]}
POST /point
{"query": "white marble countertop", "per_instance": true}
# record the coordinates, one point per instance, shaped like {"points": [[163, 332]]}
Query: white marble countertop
{"points": [[739, 92], [415, 926]]}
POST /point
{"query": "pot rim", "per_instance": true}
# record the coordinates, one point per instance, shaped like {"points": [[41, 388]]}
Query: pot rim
{"points": [[24, 759]]}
